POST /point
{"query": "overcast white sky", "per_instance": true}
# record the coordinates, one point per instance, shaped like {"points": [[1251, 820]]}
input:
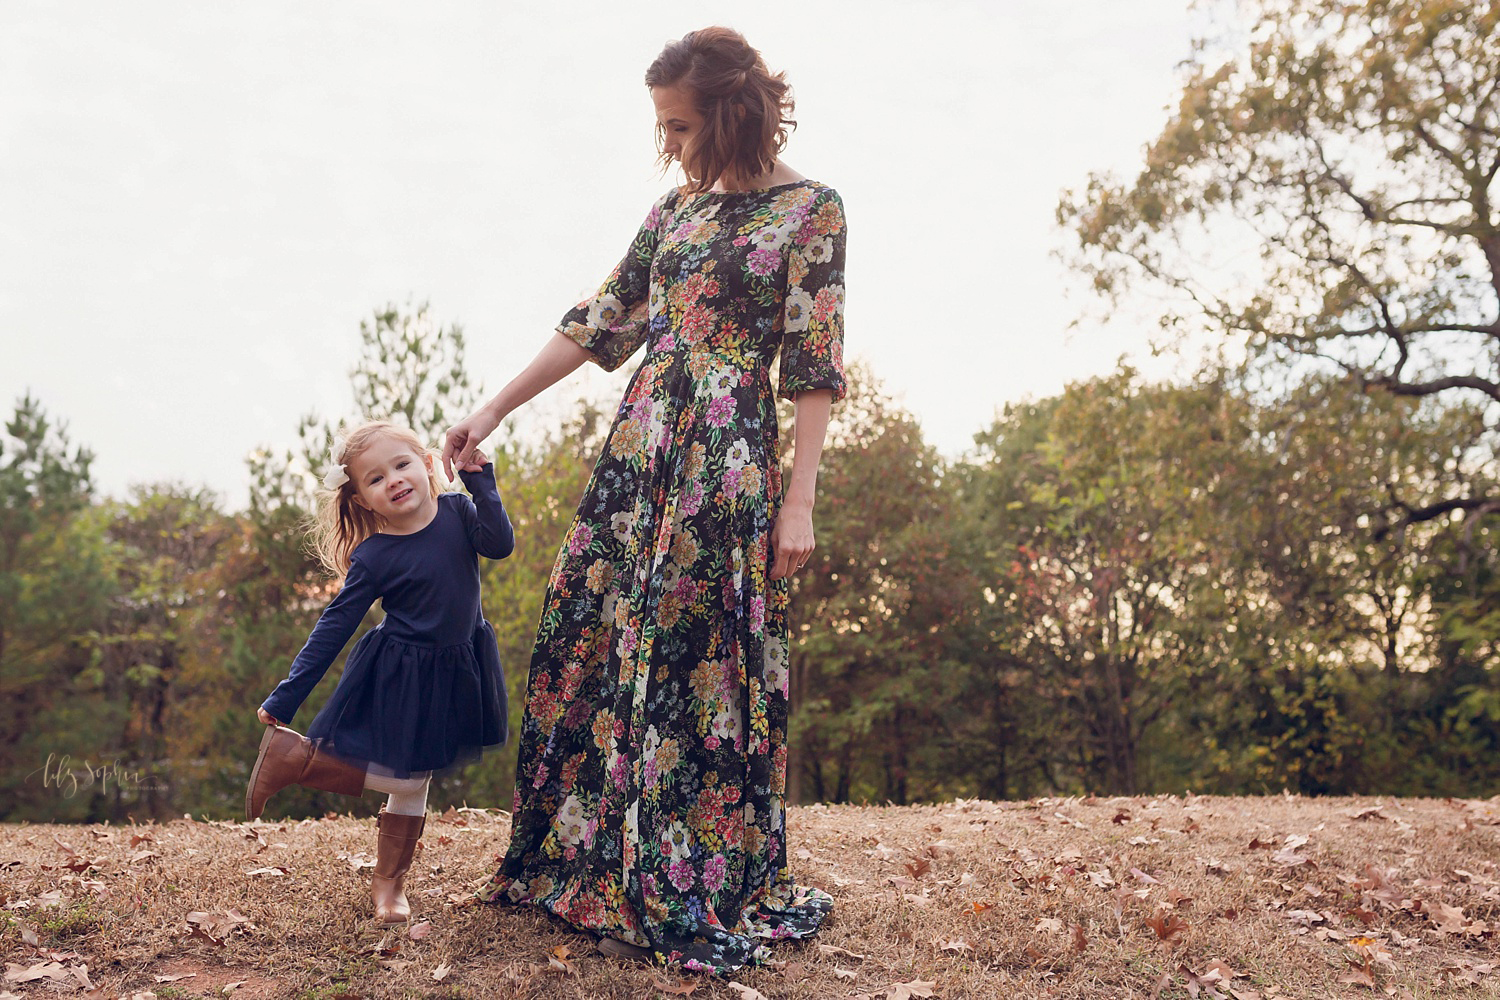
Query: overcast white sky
{"points": [[199, 202]]}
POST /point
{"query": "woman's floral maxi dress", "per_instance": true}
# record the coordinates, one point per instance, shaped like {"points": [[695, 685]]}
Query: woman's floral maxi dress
{"points": [[649, 789]]}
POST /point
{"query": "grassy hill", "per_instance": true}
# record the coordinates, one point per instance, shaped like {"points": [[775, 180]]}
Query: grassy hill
{"points": [[1244, 898]]}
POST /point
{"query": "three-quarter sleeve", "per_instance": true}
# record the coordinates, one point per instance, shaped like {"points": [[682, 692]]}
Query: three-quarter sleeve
{"points": [[485, 519], [336, 625], [812, 344], [613, 322]]}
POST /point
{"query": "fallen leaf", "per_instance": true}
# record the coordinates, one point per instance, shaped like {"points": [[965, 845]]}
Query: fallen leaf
{"points": [[1080, 943], [560, 959], [81, 973], [174, 978], [1448, 919], [1359, 975], [682, 989], [42, 970], [441, 972], [1049, 925], [915, 988], [747, 992], [419, 930], [848, 974], [1168, 926], [828, 949]]}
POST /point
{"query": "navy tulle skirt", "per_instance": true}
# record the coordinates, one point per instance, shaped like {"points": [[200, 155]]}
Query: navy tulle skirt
{"points": [[415, 707]]}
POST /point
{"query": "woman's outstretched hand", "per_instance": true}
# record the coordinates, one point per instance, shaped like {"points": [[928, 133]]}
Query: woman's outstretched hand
{"points": [[461, 443], [791, 540]]}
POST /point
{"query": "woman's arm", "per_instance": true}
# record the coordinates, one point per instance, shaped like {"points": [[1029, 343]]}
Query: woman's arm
{"points": [[558, 358], [792, 535]]}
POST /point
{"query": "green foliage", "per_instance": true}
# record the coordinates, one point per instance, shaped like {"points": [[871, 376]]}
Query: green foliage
{"points": [[1128, 587], [54, 592]]}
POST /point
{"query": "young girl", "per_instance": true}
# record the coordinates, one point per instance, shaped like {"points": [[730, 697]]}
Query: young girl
{"points": [[423, 688]]}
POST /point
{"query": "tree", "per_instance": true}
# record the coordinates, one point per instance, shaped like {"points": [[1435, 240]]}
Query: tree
{"points": [[54, 588], [410, 371], [867, 655], [1353, 148]]}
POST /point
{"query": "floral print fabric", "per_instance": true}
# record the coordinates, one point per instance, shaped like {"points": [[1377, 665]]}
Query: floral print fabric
{"points": [[649, 790]]}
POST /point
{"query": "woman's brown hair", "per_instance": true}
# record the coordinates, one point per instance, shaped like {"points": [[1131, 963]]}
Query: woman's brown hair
{"points": [[747, 110]]}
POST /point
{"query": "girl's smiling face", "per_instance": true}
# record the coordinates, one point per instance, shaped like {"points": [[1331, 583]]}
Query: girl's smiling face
{"points": [[391, 479]]}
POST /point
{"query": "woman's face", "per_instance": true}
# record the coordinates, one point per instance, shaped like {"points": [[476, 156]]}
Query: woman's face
{"points": [[678, 116]]}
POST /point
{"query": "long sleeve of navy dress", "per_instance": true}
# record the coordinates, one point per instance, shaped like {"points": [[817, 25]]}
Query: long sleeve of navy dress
{"points": [[424, 688]]}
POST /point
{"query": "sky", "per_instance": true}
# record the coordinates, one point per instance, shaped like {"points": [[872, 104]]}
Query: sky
{"points": [[200, 202]]}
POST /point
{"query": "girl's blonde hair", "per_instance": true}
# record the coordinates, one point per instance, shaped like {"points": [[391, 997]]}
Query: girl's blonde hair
{"points": [[340, 522]]}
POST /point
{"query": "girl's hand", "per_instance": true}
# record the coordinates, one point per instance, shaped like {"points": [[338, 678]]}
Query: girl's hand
{"points": [[791, 541], [265, 717], [461, 443], [477, 465]]}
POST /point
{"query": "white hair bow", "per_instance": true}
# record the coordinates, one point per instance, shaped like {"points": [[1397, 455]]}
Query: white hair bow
{"points": [[338, 475]]}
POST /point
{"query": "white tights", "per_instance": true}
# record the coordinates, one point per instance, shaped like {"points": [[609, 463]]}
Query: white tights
{"points": [[407, 796]]}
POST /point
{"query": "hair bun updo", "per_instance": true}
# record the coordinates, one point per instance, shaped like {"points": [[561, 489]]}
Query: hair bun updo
{"points": [[747, 110]]}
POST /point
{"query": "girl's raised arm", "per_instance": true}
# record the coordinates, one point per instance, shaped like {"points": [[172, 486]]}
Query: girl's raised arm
{"points": [[487, 523]]}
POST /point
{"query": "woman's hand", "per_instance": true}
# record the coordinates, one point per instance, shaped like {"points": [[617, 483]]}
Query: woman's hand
{"points": [[265, 717], [791, 540], [461, 443]]}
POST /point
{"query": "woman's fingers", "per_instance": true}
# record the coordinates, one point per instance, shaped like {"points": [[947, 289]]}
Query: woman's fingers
{"points": [[453, 449], [791, 556]]}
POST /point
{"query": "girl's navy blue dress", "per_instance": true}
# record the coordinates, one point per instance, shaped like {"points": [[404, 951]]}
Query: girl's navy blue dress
{"points": [[424, 688]]}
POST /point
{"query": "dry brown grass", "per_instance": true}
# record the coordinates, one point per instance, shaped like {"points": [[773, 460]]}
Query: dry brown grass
{"points": [[1063, 898]]}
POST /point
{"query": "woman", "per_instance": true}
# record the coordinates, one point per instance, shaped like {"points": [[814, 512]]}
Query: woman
{"points": [[648, 805]]}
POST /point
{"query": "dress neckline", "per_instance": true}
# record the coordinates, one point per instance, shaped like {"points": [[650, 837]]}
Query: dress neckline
{"points": [[764, 190]]}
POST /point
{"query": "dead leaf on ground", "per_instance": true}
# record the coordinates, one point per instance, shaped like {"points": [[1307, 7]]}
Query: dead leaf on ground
{"points": [[1168, 926], [420, 930], [1359, 974], [915, 988], [682, 989], [747, 992], [560, 959], [828, 949], [441, 972]]}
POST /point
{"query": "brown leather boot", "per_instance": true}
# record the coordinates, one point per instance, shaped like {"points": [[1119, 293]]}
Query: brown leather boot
{"points": [[289, 758], [395, 846]]}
